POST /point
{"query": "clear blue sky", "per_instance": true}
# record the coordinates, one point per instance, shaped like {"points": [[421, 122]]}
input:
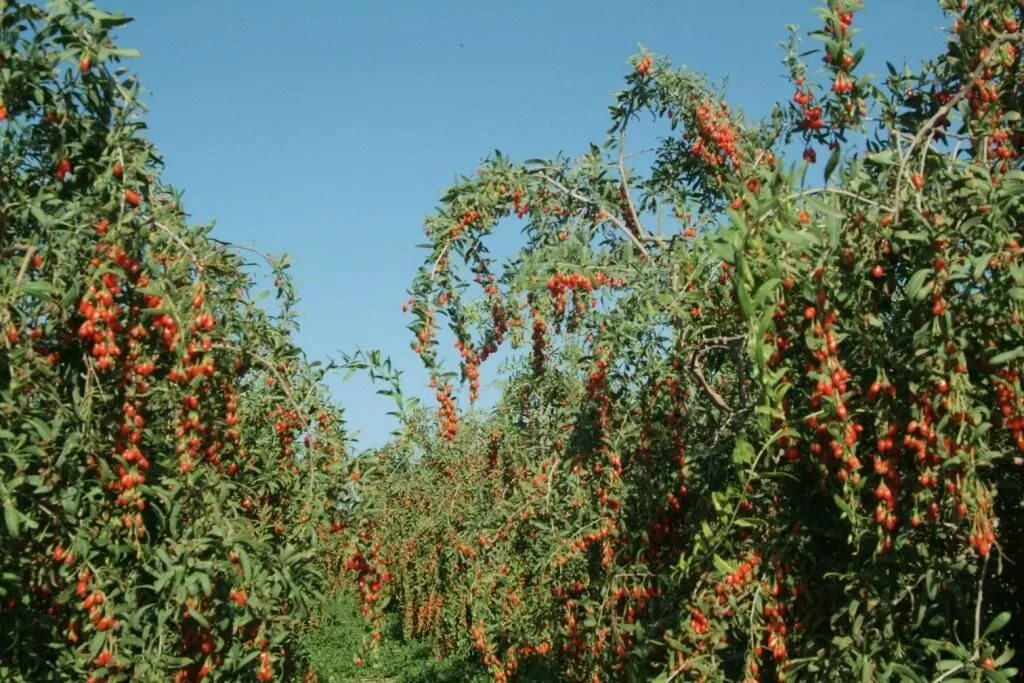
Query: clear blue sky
{"points": [[329, 128]]}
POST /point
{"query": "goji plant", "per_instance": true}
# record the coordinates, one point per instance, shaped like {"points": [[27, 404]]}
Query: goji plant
{"points": [[777, 436], [169, 462]]}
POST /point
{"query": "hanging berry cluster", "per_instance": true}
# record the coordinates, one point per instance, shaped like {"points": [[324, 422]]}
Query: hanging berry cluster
{"points": [[715, 138]]}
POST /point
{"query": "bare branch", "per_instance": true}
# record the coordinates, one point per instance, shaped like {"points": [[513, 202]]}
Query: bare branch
{"points": [[697, 368], [633, 216], [29, 253], [977, 606], [15, 249]]}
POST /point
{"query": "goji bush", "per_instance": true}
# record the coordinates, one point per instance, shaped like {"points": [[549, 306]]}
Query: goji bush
{"points": [[169, 462], [779, 435]]}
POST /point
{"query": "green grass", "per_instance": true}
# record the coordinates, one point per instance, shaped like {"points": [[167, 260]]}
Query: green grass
{"points": [[334, 647]]}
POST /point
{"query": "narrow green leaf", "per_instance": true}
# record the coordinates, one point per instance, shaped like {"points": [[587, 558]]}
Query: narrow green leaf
{"points": [[833, 161], [11, 518], [997, 624], [1007, 356]]}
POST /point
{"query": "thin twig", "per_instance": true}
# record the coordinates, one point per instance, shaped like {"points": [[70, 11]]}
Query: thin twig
{"points": [[640, 152], [977, 606], [440, 257], [844, 193], [29, 253], [231, 245], [697, 370], [950, 672]]}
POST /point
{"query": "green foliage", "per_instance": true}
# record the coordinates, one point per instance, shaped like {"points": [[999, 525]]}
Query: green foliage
{"points": [[334, 651]]}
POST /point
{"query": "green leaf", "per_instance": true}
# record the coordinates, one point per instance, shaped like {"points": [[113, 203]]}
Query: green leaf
{"points": [[765, 290], [725, 251], [199, 618], [204, 582], [12, 518], [833, 161], [997, 624], [722, 566], [886, 158], [867, 670], [907, 673], [127, 53], [743, 452], [915, 287], [797, 239], [38, 288], [163, 579], [743, 298], [1007, 356], [243, 559], [109, 20], [843, 506]]}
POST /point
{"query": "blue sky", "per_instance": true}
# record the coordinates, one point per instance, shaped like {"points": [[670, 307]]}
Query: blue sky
{"points": [[328, 128]]}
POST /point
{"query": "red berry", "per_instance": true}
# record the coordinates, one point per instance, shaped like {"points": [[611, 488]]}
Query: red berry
{"points": [[63, 168]]}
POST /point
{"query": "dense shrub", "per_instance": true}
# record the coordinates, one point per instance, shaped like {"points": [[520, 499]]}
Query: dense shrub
{"points": [[778, 439], [168, 462]]}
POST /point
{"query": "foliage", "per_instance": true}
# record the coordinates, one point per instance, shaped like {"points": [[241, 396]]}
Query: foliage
{"points": [[335, 653], [169, 465], [783, 441]]}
